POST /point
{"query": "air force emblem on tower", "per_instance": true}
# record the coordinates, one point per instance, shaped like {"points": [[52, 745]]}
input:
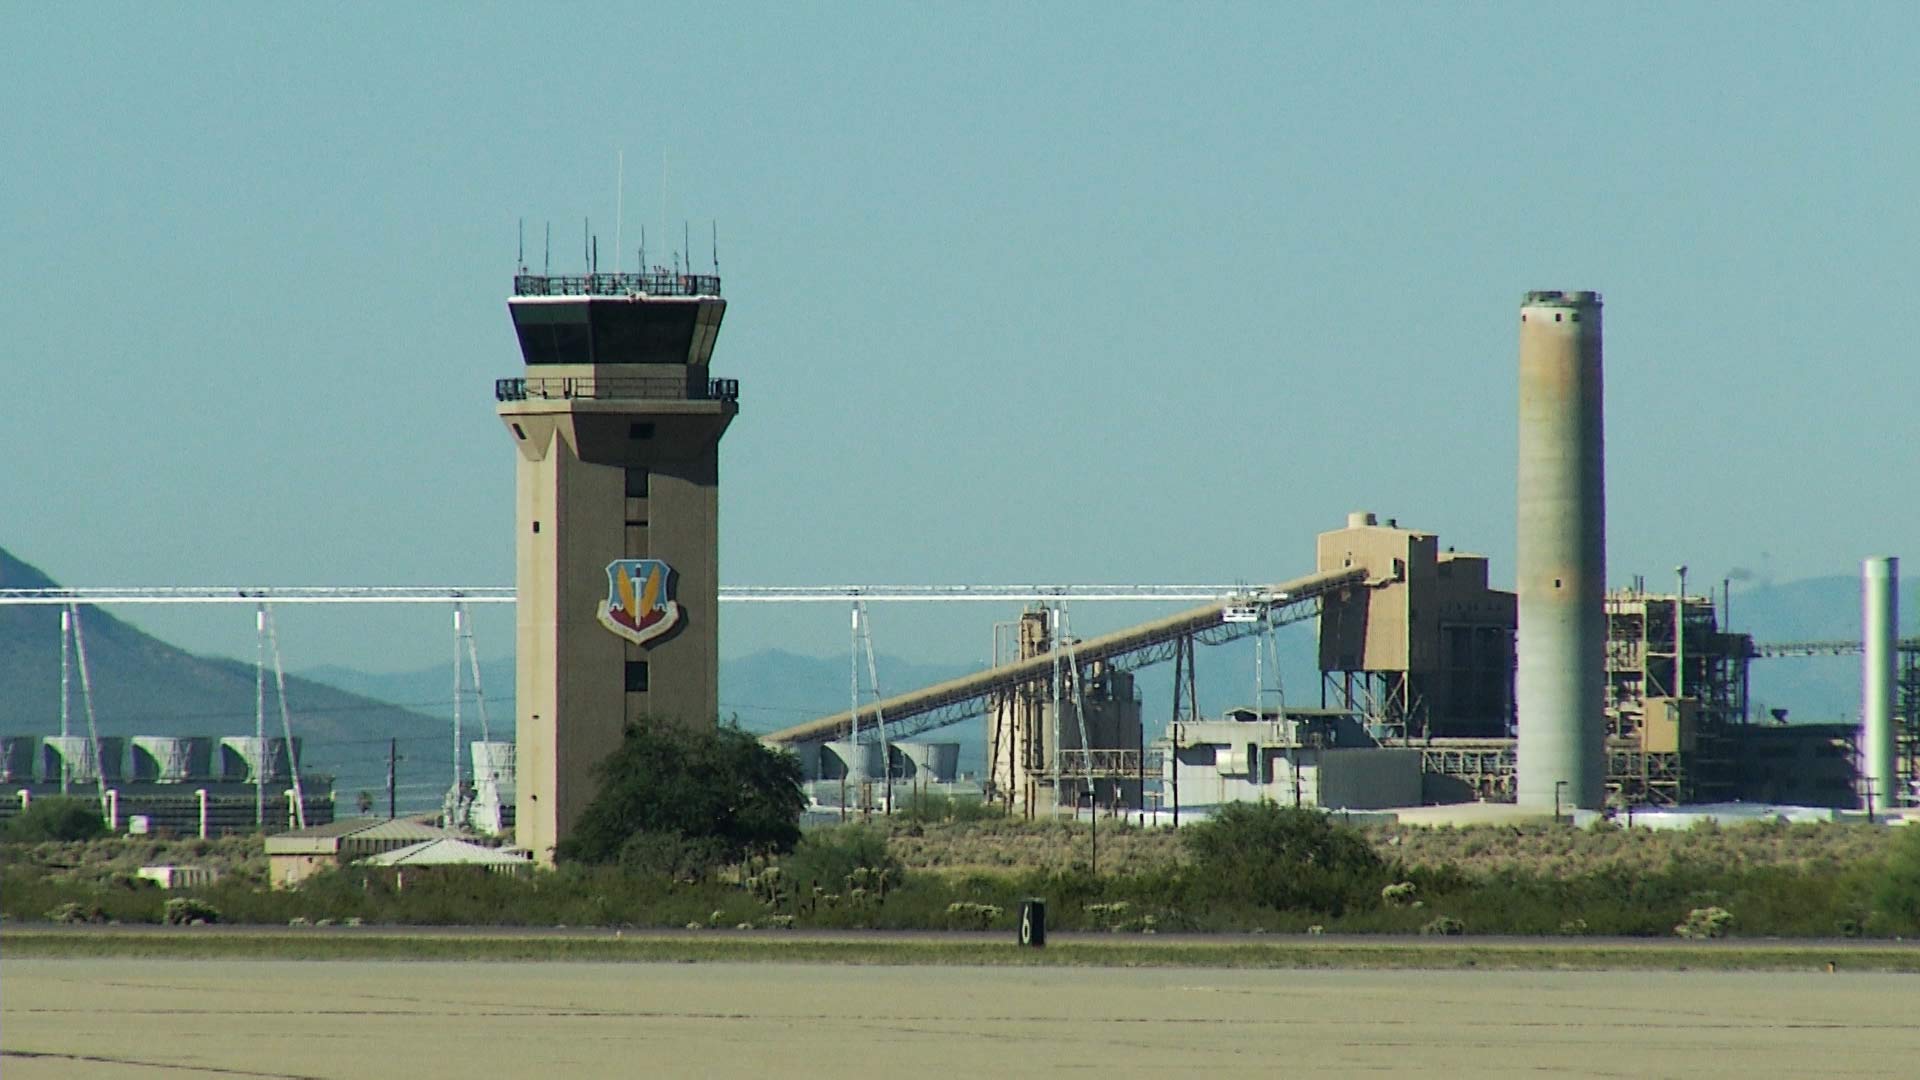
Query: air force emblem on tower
{"points": [[639, 604]]}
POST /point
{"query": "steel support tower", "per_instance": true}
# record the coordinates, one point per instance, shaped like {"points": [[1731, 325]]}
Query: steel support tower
{"points": [[618, 425]]}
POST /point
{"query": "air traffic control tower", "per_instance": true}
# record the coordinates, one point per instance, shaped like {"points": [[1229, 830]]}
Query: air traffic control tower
{"points": [[618, 425]]}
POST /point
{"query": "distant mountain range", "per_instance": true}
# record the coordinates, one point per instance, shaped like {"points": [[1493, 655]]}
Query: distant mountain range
{"points": [[142, 685]]}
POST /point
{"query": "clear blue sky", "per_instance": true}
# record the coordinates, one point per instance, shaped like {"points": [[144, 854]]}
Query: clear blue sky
{"points": [[1018, 292]]}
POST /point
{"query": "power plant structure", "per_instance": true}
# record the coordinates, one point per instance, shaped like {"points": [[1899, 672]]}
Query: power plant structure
{"points": [[1676, 698], [1880, 625], [1418, 666], [1426, 650], [1054, 681], [1561, 553], [1091, 724], [173, 785], [1434, 686], [618, 425]]}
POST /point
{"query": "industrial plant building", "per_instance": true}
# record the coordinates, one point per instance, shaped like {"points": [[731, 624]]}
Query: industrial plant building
{"points": [[1292, 757], [294, 856], [1425, 649], [1436, 687], [1092, 720], [170, 784]]}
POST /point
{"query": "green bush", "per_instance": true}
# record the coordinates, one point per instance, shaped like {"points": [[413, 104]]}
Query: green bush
{"points": [[1400, 894], [827, 857], [1896, 897], [72, 912], [1707, 922], [967, 915], [1285, 858], [715, 787], [674, 856], [186, 910], [935, 807], [54, 818]]}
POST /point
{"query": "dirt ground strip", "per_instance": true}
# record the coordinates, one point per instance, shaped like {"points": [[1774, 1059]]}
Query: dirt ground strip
{"points": [[174, 1018]]}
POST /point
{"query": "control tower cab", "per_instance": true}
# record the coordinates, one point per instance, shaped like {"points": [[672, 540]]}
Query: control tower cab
{"points": [[618, 423]]}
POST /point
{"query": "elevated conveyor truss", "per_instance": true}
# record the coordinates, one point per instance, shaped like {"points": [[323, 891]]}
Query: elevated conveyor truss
{"points": [[1227, 619]]}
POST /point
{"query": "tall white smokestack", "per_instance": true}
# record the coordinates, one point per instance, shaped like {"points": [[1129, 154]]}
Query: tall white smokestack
{"points": [[1562, 554], [1880, 624]]}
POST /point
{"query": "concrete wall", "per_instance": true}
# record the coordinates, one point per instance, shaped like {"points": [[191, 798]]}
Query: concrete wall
{"points": [[574, 518], [1562, 566], [1369, 779], [1213, 773]]}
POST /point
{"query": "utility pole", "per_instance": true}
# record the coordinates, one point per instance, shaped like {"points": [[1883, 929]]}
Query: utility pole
{"points": [[393, 756], [66, 694], [262, 760], [1680, 635], [1093, 807]]}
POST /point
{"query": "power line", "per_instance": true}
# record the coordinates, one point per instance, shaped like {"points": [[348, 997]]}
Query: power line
{"points": [[729, 594]]}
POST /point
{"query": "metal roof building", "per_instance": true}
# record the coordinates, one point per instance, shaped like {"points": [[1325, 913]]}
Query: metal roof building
{"points": [[292, 856], [449, 851]]}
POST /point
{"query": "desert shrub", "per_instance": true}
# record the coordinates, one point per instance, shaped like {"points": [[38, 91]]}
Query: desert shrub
{"points": [[967, 915], [674, 855], [74, 912], [826, 858], [1706, 922], [1283, 858], [53, 818], [1444, 926], [973, 810], [924, 807], [1400, 894], [1896, 896], [186, 910], [701, 783], [937, 807]]}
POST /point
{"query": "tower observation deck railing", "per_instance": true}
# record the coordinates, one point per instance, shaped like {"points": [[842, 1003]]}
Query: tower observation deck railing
{"points": [[657, 282], [614, 389]]}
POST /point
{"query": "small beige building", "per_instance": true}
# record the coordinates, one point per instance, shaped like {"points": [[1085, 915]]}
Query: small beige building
{"points": [[294, 856], [170, 876]]}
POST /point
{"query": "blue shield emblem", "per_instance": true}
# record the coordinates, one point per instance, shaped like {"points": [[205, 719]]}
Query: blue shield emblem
{"points": [[639, 604]]}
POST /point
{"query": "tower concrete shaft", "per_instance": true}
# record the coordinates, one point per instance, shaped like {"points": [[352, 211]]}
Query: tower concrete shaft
{"points": [[1560, 684], [1880, 626], [618, 426]]}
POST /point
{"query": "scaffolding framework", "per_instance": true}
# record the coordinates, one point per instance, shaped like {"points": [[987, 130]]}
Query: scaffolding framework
{"points": [[1676, 699]]}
